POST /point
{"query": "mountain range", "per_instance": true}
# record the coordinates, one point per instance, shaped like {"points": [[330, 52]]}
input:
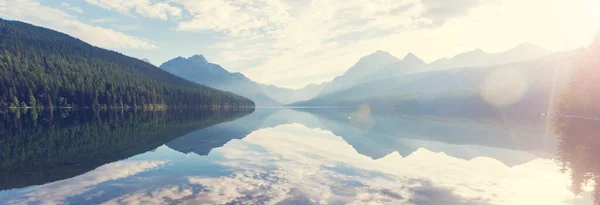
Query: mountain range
{"points": [[197, 69], [378, 75], [381, 64], [522, 79]]}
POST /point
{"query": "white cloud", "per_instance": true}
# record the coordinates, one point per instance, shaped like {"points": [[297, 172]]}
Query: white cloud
{"points": [[72, 8], [438, 11], [244, 19], [281, 41], [144, 8], [33, 12], [126, 27], [104, 20], [292, 43], [58, 192], [294, 46]]}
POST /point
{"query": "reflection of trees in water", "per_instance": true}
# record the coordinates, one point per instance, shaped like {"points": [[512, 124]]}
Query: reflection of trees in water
{"points": [[579, 151], [41, 146], [580, 138]]}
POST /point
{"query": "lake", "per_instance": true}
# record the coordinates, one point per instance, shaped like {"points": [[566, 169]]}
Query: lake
{"points": [[358, 155]]}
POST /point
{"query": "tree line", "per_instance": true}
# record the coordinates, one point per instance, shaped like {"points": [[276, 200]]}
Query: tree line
{"points": [[40, 67]]}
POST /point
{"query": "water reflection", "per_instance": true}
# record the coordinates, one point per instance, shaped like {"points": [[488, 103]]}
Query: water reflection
{"points": [[579, 150], [273, 156], [41, 146], [465, 138]]}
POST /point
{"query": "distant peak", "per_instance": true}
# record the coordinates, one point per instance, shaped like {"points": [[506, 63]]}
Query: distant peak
{"points": [[410, 55], [378, 54], [381, 52], [525, 46], [478, 51], [474, 52], [471, 54], [198, 58], [174, 60], [411, 58]]}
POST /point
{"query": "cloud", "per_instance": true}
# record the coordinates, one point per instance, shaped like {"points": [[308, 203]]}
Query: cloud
{"points": [[439, 11], [126, 27], [254, 18], [277, 33], [278, 42], [72, 8], [144, 8], [33, 12], [58, 192], [104, 20], [281, 41]]}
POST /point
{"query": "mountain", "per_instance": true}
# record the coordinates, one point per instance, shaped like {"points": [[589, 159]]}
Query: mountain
{"points": [[381, 65], [480, 58], [40, 67], [287, 96], [518, 88], [197, 69], [365, 66], [409, 64]]}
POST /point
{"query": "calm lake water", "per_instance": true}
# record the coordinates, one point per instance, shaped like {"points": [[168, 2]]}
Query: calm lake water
{"points": [[289, 156]]}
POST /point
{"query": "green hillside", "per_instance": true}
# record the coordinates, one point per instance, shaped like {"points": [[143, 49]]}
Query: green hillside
{"points": [[40, 67]]}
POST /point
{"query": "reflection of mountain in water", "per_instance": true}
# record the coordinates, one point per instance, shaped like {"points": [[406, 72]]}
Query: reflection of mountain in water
{"points": [[377, 135], [203, 141], [512, 142], [41, 147]]}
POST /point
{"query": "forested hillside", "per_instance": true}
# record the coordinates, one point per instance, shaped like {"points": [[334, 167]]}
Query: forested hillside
{"points": [[40, 67]]}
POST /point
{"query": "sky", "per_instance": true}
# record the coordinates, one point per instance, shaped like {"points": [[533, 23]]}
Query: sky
{"points": [[292, 43]]}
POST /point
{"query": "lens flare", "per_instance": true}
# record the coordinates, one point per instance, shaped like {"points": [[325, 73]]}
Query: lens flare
{"points": [[503, 87]]}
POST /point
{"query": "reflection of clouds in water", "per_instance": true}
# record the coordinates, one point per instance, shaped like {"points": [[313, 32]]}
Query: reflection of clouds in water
{"points": [[58, 192], [292, 164], [153, 197], [427, 193], [247, 187], [319, 167]]}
